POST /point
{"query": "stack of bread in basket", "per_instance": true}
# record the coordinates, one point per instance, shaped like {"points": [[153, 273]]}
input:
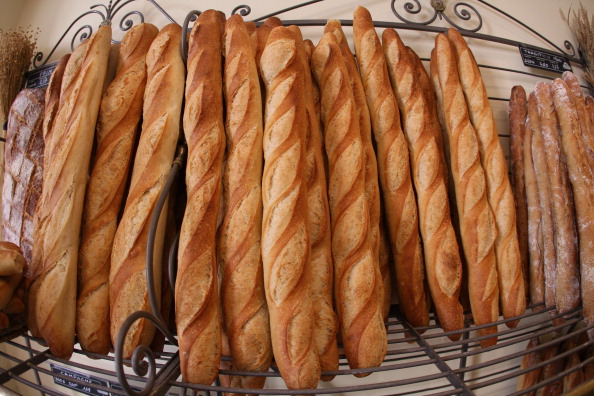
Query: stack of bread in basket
{"points": [[317, 186]]}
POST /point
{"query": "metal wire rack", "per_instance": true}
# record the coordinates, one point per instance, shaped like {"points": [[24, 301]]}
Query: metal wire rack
{"points": [[418, 361]]}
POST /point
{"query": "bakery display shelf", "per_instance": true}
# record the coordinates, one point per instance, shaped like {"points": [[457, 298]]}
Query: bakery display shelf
{"points": [[418, 361]]}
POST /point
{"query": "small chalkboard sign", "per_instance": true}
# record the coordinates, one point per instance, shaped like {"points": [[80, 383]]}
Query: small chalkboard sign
{"points": [[86, 384], [39, 78], [544, 60]]}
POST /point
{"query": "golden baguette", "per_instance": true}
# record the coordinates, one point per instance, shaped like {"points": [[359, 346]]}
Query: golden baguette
{"points": [[321, 288], [582, 182], [242, 287], [197, 306], [545, 199], [442, 254], [117, 126], [262, 33], [477, 224], [567, 282], [163, 95], [394, 172], [69, 153], [372, 191], [285, 234], [52, 104], [499, 191], [358, 286], [517, 119], [586, 128]]}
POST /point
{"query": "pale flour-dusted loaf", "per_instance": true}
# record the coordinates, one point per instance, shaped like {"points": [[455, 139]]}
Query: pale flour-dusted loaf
{"points": [[477, 224], [590, 109], [358, 282], [152, 162], [318, 220], [567, 276], [242, 285], [499, 191], [68, 155], [518, 111], [442, 254], [52, 103], [394, 172], [117, 126], [372, 191], [535, 232], [197, 305], [285, 231], [582, 182], [23, 168], [545, 199]]}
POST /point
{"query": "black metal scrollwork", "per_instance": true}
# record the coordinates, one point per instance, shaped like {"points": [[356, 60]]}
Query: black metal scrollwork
{"points": [[143, 358], [107, 14], [462, 11], [243, 10]]}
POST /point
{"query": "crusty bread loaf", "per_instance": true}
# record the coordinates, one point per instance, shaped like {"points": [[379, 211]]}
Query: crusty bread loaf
{"points": [[197, 307], [358, 286], [394, 172], [68, 152], [117, 125], [442, 254], [590, 109], [586, 127], [518, 112], [152, 162], [309, 48], [572, 363], [477, 223], [52, 103], [551, 369], [12, 261], [372, 191], [318, 219], [242, 286], [262, 34], [23, 168], [531, 359], [582, 182], [535, 232], [499, 191], [285, 232], [545, 199], [567, 282]]}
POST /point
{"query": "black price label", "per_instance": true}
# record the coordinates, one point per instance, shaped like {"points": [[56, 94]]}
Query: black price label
{"points": [[39, 78], [543, 60], [86, 384]]}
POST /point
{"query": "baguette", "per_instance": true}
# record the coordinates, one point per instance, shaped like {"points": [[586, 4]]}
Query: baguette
{"points": [[586, 128], [309, 48], [551, 369], [197, 309], [582, 182], [68, 152], [531, 359], [52, 103], [573, 361], [535, 229], [394, 172], [321, 289], [477, 224], [590, 109], [499, 191], [152, 162], [372, 191], [285, 234], [567, 283], [545, 198], [517, 119], [119, 115], [242, 287], [442, 254], [262, 34], [358, 280]]}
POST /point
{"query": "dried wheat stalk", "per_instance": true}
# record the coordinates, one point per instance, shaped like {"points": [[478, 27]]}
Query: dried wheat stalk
{"points": [[582, 28]]}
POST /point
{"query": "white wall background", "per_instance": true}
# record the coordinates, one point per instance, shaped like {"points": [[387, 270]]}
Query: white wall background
{"points": [[53, 16]]}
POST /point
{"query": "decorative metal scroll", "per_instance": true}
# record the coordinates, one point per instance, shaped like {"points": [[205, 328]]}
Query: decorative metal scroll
{"points": [[143, 360], [462, 10], [107, 13]]}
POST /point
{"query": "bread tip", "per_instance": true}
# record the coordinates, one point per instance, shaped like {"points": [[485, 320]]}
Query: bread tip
{"points": [[362, 15]]}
